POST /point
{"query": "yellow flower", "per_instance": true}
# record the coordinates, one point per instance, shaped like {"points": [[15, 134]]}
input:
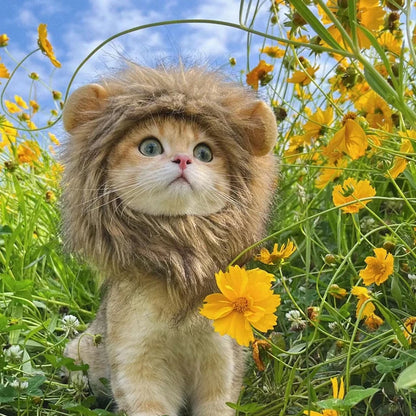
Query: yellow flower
{"points": [[377, 111], [318, 122], [8, 134], [390, 42], [45, 45], [54, 139], [246, 300], [350, 192], [28, 152], [337, 292], [369, 14], [4, 73], [338, 392], [12, 107], [330, 173], [4, 40], [400, 163], [34, 105], [350, 139], [363, 296], [373, 322], [20, 102], [273, 51], [277, 255], [303, 77], [379, 268], [258, 74], [409, 327]]}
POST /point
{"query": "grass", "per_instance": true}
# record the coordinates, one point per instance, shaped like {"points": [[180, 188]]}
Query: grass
{"points": [[321, 333]]}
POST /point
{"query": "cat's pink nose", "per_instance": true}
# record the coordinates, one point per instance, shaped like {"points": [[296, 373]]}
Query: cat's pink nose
{"points": [[182, 160]]}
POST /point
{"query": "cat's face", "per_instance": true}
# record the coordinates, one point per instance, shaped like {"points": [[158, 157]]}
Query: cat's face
{"points": [[169, 167]]}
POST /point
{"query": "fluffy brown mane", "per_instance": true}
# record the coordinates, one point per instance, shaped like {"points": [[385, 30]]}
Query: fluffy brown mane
{"points": [[184, 250]]}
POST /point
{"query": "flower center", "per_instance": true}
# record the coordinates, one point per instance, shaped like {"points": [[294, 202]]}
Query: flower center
{"points": [[379, 269], [240, 305]]}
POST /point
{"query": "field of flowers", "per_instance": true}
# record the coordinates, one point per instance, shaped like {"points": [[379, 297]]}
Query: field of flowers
{"points": [[336, 335]]}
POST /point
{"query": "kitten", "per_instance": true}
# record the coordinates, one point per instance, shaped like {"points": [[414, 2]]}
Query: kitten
{"points": [[168, 176]]}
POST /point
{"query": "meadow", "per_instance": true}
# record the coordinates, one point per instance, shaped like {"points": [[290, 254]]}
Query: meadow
{"points": [[340, 76]]}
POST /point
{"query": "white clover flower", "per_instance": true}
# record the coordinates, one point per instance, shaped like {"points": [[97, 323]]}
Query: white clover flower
{"points": [[298, 324], [79, 382], [293, 315], [70, 323], [332, 326], [367, 224], [20, 385], [14, 353]]}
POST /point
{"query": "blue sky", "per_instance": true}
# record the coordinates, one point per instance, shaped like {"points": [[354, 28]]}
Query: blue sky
{"points": [[76, 27]]}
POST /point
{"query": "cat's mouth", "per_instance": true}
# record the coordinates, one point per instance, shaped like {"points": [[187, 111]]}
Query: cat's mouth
{"points": [[181, 180]]}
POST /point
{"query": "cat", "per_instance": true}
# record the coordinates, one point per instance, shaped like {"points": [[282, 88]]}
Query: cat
{"points": [[169, 175]]}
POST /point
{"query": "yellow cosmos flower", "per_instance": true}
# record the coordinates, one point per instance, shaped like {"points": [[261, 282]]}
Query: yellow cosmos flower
{"points": [[246, 300], [369, 14], [373, 322], [28, 152], [338, 392], [45, 45], [258, 74], [377, 111], [303, 77], [409, 328], [4, 73], [34, 105], [337, 292], [20, 102], [351, 192], [318, 122], [54, 139], [364, 306], [350, 139], [8, 134], [390, 42], [400, 163], [273, 51], [379, 268], [12, 108], [330, 173], [277, 255]]}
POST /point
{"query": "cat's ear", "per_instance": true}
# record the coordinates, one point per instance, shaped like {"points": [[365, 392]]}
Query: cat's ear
{"points": [[83, 104], [261, 128]]}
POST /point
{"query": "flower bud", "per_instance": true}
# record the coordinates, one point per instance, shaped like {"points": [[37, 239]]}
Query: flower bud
{"points": [[4, 40], [56, 95]]}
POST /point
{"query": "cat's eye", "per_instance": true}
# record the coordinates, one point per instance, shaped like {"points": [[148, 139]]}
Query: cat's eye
{"points": [[203, 152], [150, 147]]}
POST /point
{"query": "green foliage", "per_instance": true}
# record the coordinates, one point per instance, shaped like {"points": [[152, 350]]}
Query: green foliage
{"points": [[321, 334]]}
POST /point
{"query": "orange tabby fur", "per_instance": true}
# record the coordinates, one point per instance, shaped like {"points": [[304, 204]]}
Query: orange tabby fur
{"points": [[160, 354]]}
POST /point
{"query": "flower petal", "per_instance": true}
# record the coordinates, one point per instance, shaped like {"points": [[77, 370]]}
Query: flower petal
{"points": [[216, 306], [236, 326]]}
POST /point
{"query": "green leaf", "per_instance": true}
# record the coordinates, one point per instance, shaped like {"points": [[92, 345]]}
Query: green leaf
{"points": [[356, 394], [398, 330], [65, 362], [7, 394], [396, 290], [407, 378], [316, 25], [33, 385], [386, 365]]}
